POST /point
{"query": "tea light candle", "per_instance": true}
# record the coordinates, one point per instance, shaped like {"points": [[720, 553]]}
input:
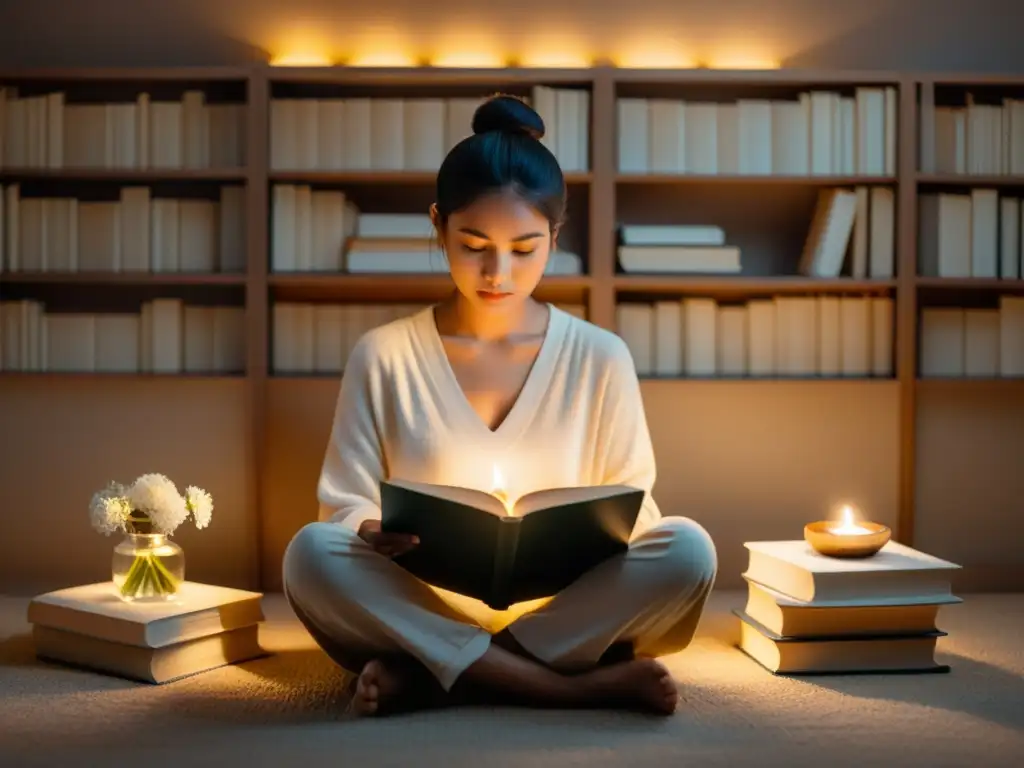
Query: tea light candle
{"points": [[848, 537]]}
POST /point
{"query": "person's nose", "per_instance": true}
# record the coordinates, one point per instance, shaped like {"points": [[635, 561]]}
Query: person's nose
{"points": [[498, 267]]}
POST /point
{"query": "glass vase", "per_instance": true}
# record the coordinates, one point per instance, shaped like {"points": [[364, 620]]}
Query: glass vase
{"points": [[148, 567]]}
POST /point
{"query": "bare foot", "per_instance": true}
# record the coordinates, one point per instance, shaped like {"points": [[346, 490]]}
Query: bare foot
{"points": [[643, 684], [388, 687]]}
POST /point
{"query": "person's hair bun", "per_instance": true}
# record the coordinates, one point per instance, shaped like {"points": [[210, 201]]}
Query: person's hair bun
{"points": [[508, 114]]}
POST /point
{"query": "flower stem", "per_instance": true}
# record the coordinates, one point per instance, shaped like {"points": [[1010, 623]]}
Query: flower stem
{"points": [[148, 577]]}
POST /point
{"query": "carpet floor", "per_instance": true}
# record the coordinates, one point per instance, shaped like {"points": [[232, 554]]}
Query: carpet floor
{"points": [[287, 710]]}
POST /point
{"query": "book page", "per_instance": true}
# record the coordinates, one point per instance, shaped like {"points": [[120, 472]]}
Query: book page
{"points": [[481, 500], [557, 497]]}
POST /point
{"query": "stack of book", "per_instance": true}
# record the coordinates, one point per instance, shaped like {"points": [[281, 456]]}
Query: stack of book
{"points": [[204, 627], [807, 613]]}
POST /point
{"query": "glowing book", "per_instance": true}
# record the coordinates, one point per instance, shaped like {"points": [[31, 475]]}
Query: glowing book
{"points": [[473, 544]]}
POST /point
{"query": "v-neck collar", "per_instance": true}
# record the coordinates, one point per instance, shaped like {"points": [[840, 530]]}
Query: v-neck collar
{"points": [[453, 397]]}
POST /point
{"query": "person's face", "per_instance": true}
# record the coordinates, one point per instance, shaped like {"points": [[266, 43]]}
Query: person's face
{"points": [[497, 250]]}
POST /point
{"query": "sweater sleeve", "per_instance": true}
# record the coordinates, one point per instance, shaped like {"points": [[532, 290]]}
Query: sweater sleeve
{"points": [[354, 465], [624, 449]]}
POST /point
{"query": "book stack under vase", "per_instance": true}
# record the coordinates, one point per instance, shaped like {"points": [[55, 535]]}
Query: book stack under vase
{"points": [[807, 613], [202, 628]]}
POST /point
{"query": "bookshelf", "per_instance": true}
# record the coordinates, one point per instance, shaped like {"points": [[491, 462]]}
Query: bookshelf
{"points": [[275, 137]]}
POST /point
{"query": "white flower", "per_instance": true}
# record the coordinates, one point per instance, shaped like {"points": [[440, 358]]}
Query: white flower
{"points": [[109, 509], [200, 504], [156, 497]]}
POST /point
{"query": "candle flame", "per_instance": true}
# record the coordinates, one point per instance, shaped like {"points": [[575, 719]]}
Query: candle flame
{"points": [[848, 525], [498, 489]]}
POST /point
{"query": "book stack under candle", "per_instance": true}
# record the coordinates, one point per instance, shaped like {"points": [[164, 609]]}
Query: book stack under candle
{"points": [[203, 627], [807, 613]]}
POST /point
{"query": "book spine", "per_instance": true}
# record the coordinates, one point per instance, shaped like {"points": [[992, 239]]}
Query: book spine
{"points": [[504, 563]]}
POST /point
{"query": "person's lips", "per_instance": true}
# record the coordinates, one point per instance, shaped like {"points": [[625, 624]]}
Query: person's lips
{"points": [[493, 295]]}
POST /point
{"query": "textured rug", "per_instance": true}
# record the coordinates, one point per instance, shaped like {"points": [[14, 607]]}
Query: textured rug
{"points": [[287, 709]]}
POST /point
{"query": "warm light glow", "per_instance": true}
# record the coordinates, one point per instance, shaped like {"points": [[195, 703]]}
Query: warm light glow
{"points": [[648, 52], [499, 491], [468, 48], [301, 60], [384, 46], [726, 59], [558, 53], [848, 524]]}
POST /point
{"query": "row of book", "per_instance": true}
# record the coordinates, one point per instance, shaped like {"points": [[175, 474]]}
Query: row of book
{"points": [[165, 336], [974, 234], [807, 613], [135, 233], [973, 341], [47, 131], [318, 338], [409, 134], [976, 138], [852, 232], [324, 231], [819, 133], [841, 336]]}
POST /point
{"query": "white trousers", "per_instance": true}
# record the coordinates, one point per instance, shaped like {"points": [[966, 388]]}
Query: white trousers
{"points": [[359, 605]]}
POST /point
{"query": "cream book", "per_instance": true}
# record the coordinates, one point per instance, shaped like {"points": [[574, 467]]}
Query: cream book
{"points": [[150, 665], [897, 573], [844, 655], [786, 617], [199, 610]]}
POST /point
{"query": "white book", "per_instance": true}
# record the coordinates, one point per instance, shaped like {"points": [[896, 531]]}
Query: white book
{"points": [[359, 134], [666, 142], [702, 138], [984, 233], [731, 340], [829, 336], [981, 342], [166, 334], [198, 237], [882, 246], [896, 572], [330, 135], [683, 234], [855, 347], [1009, 236], [761, 331], [633, 135], [942, 342], [424, 130], [329, 334], [387, 137], [700, 345], [635, 324], [882, 327], [117, 343], [135, 229], [70, 342], [199, 328], [790, 138], [668, 334], [755, 136]]}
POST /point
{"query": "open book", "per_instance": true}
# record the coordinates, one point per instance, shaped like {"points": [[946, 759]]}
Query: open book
{"points": [[472, 545]]}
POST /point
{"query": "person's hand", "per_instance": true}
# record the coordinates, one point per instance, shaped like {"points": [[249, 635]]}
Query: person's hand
{"points": [[387, 544]]}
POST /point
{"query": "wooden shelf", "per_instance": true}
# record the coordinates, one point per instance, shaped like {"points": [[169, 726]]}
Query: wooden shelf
{"points": [[971, 180], [765, 179], [121, 278], [776, 206], [971, 283], [726, 285]]}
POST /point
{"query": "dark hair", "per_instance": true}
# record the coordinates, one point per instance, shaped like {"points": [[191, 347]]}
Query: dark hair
{"points": [[504, 152]]}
